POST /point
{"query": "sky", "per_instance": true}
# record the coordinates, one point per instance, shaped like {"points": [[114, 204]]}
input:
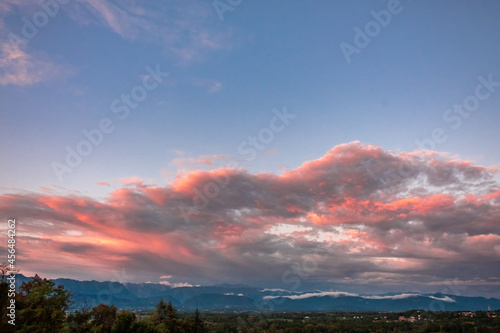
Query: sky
{"points": [[343, 146]]}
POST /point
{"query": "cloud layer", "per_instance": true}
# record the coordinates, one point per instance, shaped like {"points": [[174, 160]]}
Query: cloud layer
{"points": [[344, 294], [358, 216]]}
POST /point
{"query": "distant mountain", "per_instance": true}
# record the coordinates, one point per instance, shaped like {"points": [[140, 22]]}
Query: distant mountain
{"points": [[219, 302], [357, 303], [230, 298]]}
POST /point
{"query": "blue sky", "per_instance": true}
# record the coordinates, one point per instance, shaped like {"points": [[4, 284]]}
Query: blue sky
{"points": [[225, 78], [262, 56]]}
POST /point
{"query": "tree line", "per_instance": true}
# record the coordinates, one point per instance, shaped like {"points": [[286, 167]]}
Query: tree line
{"points": [[42, 307]]}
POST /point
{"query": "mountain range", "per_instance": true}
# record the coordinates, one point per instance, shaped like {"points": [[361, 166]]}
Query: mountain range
{"points": [[242, 298]]}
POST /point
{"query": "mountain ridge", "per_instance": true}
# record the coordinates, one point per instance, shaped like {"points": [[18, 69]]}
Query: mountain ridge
{"points": [[243, 298]]}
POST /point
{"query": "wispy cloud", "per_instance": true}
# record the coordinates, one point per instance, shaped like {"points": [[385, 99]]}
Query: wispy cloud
{"points": [[210, 86], [274, 289], [443, 299], [187, 33], [192, 163], [346, 294], [393, 297], [17, 67], [7, 5], [116, 18], [316, 294], [176, 284]]}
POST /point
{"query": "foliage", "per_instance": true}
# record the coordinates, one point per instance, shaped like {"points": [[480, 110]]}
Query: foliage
{"points": [[79, 321], [104, 317], [4, 303], [198, 325], [160, 315], [124, 322], [42, 306]]}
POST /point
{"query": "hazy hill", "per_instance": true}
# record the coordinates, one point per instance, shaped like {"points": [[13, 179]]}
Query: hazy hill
{"points": [[229, 298]]}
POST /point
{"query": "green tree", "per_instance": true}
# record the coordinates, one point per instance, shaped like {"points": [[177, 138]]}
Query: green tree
{"points": [[161, 312], [42, 306], [104, 318], [166, 316], [172, 318], [144, 327], [124, 322], [198, 325], [79, 321], [171, 311], [4, 303]]}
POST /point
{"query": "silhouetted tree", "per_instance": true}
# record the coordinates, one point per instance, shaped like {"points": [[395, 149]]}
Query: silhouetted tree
{"points": [[171, 311], [86, 304], [198, 326], [166, 316], [161, 312], [172, 319]]}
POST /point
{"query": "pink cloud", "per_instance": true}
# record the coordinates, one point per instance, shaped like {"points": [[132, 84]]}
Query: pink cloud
{"points": [[383, 211], [18, 67]]}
